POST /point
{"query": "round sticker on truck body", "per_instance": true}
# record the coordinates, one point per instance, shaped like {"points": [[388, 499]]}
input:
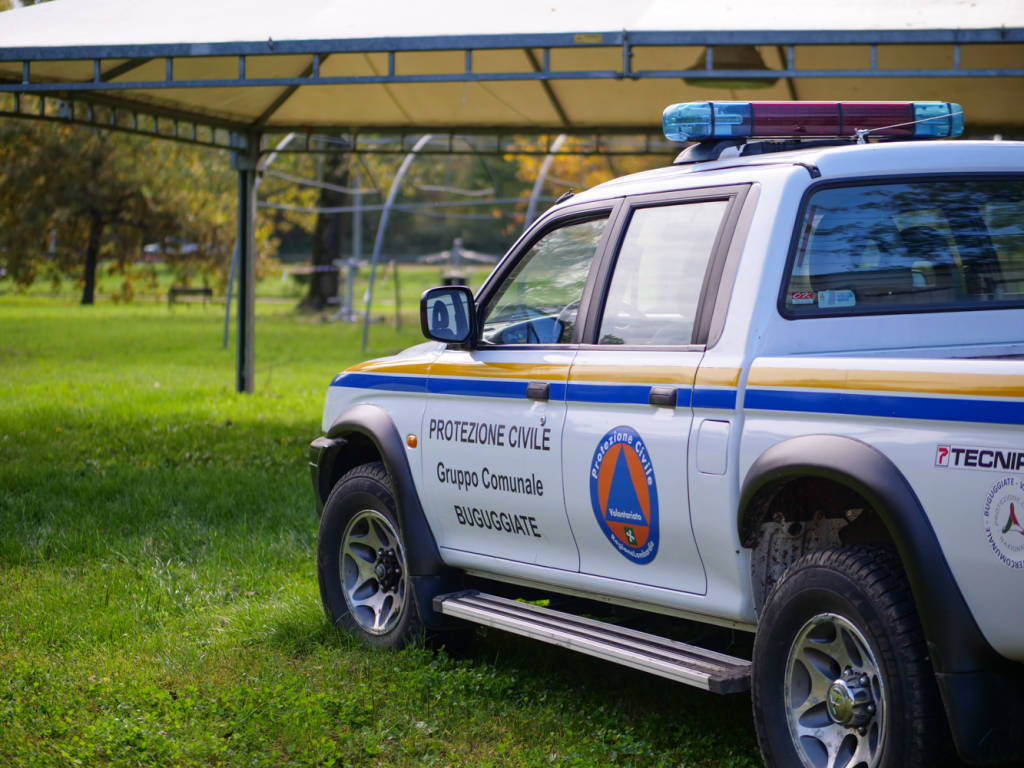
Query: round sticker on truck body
{"points": [[1004, 521], [624, 494]]}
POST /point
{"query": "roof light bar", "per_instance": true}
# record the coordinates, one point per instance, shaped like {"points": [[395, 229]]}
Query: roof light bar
{"points": [[707, 120]]}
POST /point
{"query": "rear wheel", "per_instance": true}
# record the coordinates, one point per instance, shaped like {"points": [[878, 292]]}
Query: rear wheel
{"points": [[841, 677], [361, 562]]}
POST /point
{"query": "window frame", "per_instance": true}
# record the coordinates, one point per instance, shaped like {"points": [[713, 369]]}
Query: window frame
{"points": [[872, 181], [712, 282], [607, 209]]}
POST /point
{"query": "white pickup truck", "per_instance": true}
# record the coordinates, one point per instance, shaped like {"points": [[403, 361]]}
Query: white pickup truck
{"points": [[777, 387]]}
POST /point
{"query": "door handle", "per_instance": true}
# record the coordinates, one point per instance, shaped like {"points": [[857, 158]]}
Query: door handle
{"points": [[665, 396], [538, 390]]}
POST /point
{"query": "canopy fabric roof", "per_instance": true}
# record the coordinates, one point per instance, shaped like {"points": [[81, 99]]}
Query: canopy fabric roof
{"points": [[263, 65], [88, 22]]}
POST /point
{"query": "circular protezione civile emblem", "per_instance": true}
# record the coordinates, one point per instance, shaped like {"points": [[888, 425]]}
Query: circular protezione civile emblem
{"points": [[1004, 521], [624, 494]]}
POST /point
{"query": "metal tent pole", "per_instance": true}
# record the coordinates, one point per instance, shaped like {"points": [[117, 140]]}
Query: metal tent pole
{"points": [[234, 257], [379, 241], [244, 160]]}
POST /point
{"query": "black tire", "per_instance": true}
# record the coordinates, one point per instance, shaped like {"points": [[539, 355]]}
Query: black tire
{"points": [[361, 563], [841, 675]]}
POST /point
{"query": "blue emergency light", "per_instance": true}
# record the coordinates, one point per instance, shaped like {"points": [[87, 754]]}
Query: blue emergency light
{"points": [[710, 120]]}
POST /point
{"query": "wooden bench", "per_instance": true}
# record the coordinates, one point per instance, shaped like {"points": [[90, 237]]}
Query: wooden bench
{"points": [[177, 291]]}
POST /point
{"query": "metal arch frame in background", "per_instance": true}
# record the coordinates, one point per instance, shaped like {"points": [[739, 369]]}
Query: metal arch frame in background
{"points": [[378, 241], [538, 185], [417, 149], [103, 100]]}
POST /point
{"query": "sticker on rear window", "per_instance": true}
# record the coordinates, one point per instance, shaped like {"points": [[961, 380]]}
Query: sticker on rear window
{"points": [[801, 297], [834, 299]]}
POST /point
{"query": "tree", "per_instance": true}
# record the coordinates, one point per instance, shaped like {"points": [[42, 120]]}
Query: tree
{"points": [[72, 196], [331, 232], [578, 172]]}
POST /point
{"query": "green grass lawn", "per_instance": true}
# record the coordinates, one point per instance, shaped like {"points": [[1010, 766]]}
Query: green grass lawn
{"points": [[158, 600]]}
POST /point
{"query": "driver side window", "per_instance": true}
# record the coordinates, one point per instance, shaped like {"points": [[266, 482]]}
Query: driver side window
{"points": [[539, 300]]}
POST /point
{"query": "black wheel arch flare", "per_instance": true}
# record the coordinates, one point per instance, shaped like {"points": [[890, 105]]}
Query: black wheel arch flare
{"points": [[374, 423], [972, 677], [429, 575]]}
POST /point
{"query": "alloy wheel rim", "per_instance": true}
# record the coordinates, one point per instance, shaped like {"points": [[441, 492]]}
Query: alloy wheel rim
{"points": [[373, 572], [835, 696]]}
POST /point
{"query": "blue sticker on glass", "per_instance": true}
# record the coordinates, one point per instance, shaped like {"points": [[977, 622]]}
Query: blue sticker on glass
{"points": [[624, 495]]}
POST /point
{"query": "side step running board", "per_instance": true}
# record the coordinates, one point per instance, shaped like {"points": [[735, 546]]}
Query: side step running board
{"points": [[716, 672]]}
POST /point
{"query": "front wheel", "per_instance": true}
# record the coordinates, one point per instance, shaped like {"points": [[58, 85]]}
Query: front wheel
{"points": [[361, 564], [841, 677]]}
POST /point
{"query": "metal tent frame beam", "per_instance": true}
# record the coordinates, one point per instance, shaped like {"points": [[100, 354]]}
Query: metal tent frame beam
{"points": [[82, 109], [98, 113], [27, 85], [318, 50], [527, 40]]}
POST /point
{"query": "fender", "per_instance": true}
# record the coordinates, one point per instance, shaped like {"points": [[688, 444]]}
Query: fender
{"points": [[429, 575], [971, 675]]}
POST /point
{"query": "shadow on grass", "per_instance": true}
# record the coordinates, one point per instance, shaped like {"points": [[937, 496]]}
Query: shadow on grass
{"points": [[668, 715], [183, 545], [173, 489]]}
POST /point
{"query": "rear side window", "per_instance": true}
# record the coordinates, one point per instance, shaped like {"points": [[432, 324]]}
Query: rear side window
{"points": [[927, 245], [659, 273]]}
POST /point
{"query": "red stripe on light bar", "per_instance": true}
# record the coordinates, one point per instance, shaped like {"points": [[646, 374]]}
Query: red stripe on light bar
{"points": [[858, 115], [789, 118], [831, 118]]}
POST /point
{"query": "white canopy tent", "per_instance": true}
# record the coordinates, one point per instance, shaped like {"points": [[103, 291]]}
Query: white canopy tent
{"points": [[233, 72]]}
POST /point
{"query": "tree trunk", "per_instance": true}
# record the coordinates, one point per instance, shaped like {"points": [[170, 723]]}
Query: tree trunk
{"points": [[330, 234], [91, 257]]}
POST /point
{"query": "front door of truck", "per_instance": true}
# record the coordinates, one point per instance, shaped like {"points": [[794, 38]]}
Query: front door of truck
{"points": [[491, 473]]}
